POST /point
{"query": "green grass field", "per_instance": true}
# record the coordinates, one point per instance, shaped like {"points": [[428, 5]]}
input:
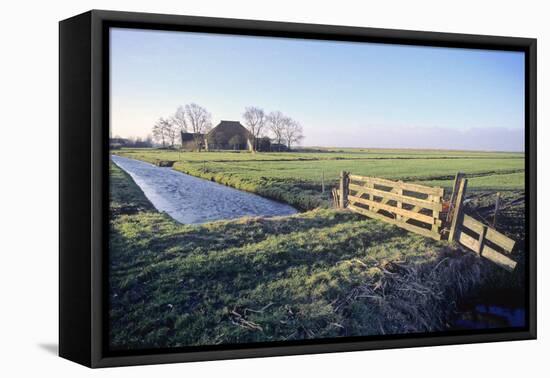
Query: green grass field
{"points": [[297, 177], [322, 273], [319, 274]]}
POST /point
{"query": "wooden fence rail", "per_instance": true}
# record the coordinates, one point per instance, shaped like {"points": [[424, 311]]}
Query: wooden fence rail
{"points": [[487, 242], [413, 207], [420, 209]]}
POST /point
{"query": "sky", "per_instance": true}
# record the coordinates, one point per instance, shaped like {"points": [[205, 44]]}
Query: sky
{"points": [[344, 94]]}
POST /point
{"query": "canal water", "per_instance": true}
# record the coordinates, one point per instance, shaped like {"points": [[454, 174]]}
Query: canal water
{"points": [[192, 200], [496, 308], [483, 316]]}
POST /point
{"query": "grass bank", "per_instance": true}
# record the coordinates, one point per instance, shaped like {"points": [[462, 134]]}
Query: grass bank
{"points": [[318, 274], [297, 178]]}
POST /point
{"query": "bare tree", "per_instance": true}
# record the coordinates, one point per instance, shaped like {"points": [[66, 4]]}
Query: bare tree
{"points": [[164, 132], [292, 132], [159, 132], [179, 121], [276, 122], [199, 120], [170, 130], [254, 120]]}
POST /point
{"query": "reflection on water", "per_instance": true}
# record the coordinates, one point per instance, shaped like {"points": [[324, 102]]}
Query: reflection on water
{"points": [[482, 316]]}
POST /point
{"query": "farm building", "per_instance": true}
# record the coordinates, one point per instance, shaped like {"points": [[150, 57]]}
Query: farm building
{"points": [[228, 135], [189, 141]]}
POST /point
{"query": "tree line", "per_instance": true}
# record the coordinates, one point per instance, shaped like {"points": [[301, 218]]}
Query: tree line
{"points": [[191, 118], [276, 125], [195, 119], [131, 142]]}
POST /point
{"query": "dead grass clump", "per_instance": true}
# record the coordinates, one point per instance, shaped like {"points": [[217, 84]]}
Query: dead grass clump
{"points": [[420, 297]]}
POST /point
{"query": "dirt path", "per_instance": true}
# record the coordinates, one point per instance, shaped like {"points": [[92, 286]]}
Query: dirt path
{"points": [[189, 199]]}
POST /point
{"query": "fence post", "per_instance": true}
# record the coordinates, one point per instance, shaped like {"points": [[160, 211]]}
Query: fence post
{"points": [[459, 176], [457, 211], [435, 213], [335, 200], [481, 240], [344, 189]]}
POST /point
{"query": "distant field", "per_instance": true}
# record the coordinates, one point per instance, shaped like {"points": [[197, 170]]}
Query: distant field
{"points": [[314, 154], [297, 177]]}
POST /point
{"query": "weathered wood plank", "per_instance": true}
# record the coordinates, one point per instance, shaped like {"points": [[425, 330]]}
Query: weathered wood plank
{"points": [[435, 212], [431, 205], [472, 224], [407, 226], [487, 252], [458, 178], [335, 198], [498, 258], [400, 184], [501, 240], [457, 212], [481, 239], [384, 201], [468, 242], [344, 188], [414, 210], [493, 235], [406, 213]]}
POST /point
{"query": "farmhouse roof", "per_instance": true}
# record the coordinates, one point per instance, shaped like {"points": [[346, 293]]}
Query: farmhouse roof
{"points": [[230, 127]]}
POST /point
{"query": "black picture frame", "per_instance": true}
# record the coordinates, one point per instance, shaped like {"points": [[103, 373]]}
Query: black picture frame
{"points": [[83, 196]]}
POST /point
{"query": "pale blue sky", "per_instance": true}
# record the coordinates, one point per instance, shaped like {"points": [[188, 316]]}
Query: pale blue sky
{"points": [[344, 94]]}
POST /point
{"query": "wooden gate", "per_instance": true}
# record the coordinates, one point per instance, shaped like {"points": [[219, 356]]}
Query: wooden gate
{"points": [[486, 242], [474, 235], [421, 209], [413, 207]]}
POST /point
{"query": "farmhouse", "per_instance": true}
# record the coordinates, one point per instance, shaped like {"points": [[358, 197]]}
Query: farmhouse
{"points": [[227, 135], [192, 141]]}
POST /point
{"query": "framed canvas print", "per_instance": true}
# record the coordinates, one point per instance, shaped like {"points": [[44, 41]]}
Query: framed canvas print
{"points": [[235, 188]]}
